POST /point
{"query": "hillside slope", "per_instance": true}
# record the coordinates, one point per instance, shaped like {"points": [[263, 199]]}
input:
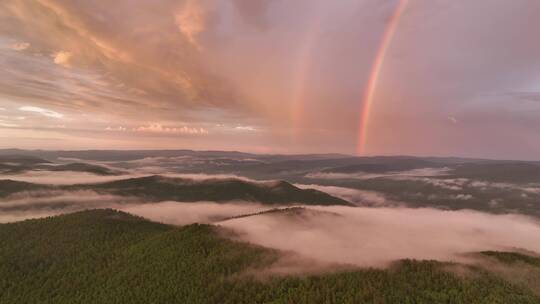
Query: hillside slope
{"points": [[218, 190], [105, 256]]}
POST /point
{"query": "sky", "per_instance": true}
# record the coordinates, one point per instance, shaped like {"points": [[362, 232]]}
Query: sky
{"points": [[454, 78]]}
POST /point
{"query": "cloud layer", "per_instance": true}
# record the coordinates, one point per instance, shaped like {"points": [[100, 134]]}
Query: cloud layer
{"points": [[377, 236], [326, 235]]}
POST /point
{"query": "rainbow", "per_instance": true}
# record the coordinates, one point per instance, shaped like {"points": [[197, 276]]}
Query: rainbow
{"points": [[376, 68], [303, 69], [302, 73]]}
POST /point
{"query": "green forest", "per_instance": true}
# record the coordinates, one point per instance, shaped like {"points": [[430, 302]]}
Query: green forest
{"points": [[107, 256]]}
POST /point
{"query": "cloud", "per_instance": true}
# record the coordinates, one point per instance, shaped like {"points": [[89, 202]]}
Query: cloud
{"points": [[245, 128], [64, 177], [193, 61], [63, 58], [187, 213], [332, 175], [8, 124], [135, 63], [458, 184], [191, 20], [202, 176], [19, 46], [158, 128], [15, 216], [41, 111], [355, 196], [395, 174], [464, 197], [39, 203], [42, 203], [277, 66], [62, 200], [119, 129], [46, 177], [455, 184], [377, 236], [366, 237]]}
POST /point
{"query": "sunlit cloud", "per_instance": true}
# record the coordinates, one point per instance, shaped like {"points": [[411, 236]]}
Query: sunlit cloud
{"points": [[246, 128], [63, 58], [41, 111], [7, 124], [238, 63], [158, 128], [118, 128], [19, 46], [191, 20]]}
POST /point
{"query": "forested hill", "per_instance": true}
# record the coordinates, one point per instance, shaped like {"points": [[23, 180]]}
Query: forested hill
{"points": [[157, 188], [105, 256]]}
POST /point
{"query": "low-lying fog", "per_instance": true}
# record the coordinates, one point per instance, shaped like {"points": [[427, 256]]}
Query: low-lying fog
{"points": [[188, 213], [345, 235], [376, 236], [71, 178], [355, 196]]}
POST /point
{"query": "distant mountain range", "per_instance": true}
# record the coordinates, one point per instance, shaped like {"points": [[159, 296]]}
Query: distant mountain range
{"points": [[496, 186]]}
